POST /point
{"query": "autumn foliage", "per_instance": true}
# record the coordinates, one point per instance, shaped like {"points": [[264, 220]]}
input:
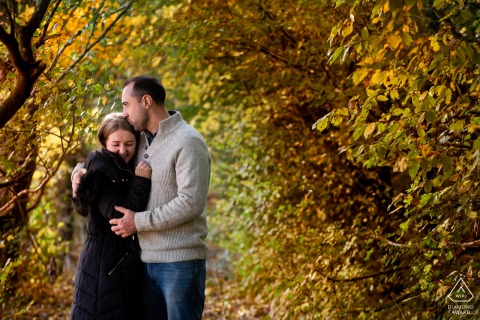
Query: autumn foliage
{"points": [[344, 137], [353, 127]]}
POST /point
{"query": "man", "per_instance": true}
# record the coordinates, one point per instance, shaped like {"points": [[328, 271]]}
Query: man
{"points": [[173, 228]]}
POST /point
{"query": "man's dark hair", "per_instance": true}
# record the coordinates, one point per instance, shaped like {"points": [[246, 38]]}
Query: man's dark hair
{"points": [[143, 85]]}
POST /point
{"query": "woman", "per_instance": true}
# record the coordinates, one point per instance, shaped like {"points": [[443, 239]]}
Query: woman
{"points": [[109, 268]]}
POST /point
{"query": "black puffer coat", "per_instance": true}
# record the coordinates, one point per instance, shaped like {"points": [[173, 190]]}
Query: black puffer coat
{"points": [[109, 269]]}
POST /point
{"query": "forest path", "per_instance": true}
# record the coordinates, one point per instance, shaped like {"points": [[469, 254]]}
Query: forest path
{"points": [[220, 304]]}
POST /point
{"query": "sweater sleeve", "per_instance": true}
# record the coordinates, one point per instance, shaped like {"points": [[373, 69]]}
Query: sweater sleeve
{"points": [[136, 199], [76, 169], [89, 187], [192, 169]]}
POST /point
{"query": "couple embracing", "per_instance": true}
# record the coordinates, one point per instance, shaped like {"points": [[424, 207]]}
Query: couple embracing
{"points": [[150, 178]]}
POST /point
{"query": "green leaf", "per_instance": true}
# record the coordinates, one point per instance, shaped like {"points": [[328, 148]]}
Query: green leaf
{"points": [[404, 225], [438, 4], [449, 255], [413, 168], [381, 151], [381, 127], [365, 33], [336, 54], [457, 125], [476, 144], [430, 116], [425, 198], [445, 160], [428, 186], [358, 131]]}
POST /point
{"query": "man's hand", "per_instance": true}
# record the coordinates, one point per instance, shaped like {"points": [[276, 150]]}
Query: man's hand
{"points": [[76, 180], [124, 226]]}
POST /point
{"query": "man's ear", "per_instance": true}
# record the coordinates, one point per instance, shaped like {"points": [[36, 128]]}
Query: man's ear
{"points": [[148, 101]]}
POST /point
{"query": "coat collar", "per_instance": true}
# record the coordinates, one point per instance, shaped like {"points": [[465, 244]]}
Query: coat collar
{"points": [[117, 159]]}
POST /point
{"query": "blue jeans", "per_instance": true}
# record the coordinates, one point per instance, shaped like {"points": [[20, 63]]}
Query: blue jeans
{"points": [[174, 290]]}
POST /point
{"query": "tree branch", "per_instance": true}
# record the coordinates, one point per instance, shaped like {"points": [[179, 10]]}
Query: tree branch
{"points": [[43, 37], [35, 20], [475, 243], [372, 275], [89, 47]]}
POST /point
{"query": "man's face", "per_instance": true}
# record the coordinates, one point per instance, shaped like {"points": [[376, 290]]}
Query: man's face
{"points": [[133, 109]]}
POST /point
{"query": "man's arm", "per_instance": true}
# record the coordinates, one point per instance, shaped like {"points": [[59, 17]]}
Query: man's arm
{"points": [[193, 178]]}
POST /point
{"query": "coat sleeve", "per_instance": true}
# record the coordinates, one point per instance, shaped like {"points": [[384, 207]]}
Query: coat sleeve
{"points": [[77, 206], [136, 199], [91, 186]]}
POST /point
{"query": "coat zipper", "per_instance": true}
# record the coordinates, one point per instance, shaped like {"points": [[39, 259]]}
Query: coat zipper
{"points": [[118, 263]]}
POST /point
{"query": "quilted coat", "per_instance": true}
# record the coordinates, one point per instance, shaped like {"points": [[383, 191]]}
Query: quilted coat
{"points": [[109, 270]]}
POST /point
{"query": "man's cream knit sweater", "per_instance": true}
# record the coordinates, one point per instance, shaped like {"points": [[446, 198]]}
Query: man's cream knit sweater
{"points": [[174, 226]]}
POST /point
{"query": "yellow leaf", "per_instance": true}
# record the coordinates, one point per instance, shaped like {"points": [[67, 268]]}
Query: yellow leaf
{"points": [[420, 4], [394, 40], [472, 215], [378, 77], [441, 292], [348, 29], [386, 6], [425, 150], [369, 129], [427, 268], [434, 44], [394, 94], [464, 186], [359, 75]]}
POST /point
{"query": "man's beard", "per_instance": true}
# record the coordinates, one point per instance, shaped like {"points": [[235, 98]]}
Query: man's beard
{"points": [[140, 124]]}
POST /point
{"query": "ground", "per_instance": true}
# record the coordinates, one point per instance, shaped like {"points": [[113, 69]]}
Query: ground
{"points": [[220, 303]]}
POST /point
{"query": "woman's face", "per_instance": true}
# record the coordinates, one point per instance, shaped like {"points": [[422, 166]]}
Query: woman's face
{"points": [[122, 142]]}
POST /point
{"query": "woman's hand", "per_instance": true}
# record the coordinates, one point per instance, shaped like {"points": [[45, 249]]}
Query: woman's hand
{"points": [[143, 169]]}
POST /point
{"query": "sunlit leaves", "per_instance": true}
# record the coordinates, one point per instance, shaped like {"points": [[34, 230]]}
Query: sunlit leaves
{"points": [[390, 95], [417, 99], [56, 117]]}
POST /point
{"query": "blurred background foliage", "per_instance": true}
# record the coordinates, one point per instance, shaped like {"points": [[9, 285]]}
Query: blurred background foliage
{"points": [[344, 137]]}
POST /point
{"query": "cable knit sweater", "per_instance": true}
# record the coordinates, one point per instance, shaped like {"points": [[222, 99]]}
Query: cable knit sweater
{"points": [[174, 226]]}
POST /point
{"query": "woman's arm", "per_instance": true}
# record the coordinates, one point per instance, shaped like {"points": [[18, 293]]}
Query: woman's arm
{"points": [[136, 199]]}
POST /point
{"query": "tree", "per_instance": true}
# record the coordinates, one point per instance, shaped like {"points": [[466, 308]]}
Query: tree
{"points": [[289, 191], [414, 108], [365, 215], [44, 90]]}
